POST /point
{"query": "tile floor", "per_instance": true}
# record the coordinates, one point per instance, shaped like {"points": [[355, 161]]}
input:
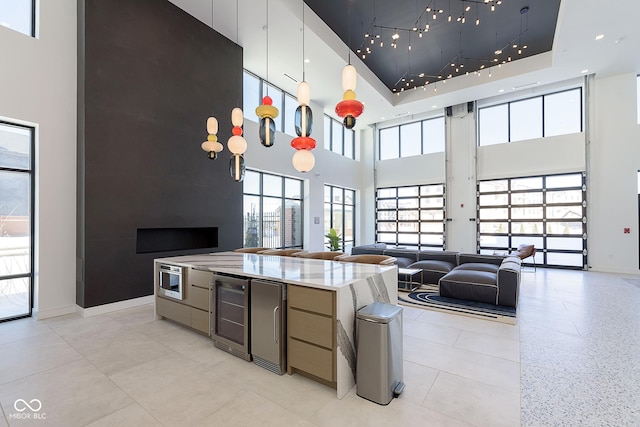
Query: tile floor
{"points": [[573, 359]]}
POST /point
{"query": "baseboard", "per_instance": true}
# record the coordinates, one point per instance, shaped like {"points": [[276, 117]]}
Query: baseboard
{"points": [[613, 271], [114, 306], [53, 312]]}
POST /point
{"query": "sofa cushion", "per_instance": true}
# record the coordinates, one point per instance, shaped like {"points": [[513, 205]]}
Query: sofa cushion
{"points": [[432, 270], [480, 286], [489, 259], [368, 249], [478, 266], [404, 257], [450, 257]]}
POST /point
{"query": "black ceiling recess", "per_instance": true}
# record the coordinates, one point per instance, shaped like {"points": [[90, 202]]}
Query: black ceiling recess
{"points": [[409, 43]]}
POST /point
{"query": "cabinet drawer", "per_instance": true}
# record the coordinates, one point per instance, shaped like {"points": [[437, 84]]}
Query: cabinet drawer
{"points": [[310, 327], [316, 300], [312, 359], [200, 278], [174, 311], [198, 297], [200, 320]]}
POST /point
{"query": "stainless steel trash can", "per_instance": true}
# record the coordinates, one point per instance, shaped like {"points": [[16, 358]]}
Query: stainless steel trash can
{"points": [[379, 352]]}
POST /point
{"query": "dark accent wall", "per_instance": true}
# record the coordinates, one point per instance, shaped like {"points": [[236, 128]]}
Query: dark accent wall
{"points": [[149, 76]]}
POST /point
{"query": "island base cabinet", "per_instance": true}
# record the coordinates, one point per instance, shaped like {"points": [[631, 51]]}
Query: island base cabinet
{"points": [[311, 335], [183, 314]]}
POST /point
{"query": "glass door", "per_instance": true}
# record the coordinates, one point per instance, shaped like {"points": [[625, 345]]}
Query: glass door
{"points": [[16, 221]]}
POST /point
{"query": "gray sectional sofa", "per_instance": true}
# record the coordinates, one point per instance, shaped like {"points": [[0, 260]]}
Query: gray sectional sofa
{"points": [[492, 279]]}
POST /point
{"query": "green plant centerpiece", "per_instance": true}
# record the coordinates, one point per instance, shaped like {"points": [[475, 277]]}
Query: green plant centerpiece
{"points": [[334, 240]]}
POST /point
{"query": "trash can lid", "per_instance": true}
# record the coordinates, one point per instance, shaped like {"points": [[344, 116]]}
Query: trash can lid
{"points": [[379, 312]]}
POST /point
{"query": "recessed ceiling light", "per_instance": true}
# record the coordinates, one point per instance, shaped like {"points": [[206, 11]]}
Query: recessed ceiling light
{"points": [[585, 71], [599, 36], [307, 60], [434, 106], [501, 90]]}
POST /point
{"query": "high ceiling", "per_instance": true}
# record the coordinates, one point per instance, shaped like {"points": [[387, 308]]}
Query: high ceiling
{"points": [[566, 30], [408, 43]]}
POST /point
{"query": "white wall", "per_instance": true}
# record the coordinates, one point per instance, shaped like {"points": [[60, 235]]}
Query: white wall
{"points": [[38, 86], [614, 161]]}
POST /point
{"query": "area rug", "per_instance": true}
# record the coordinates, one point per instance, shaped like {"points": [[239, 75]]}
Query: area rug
{"points": [[427, 297]]}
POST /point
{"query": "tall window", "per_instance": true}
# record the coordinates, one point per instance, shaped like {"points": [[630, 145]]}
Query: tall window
{"points": [[16, 220], [411, 217], [272, 211], [412, 139], [338, 139], [340, 213], [19, 15], [548, 212], [638, 97], [553, 114]]}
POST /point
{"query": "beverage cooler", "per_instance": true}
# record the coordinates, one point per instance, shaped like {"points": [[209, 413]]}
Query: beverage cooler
{"points": [[230, 315], [268, 325]]}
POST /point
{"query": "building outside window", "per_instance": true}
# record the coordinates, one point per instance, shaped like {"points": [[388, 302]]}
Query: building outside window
{"points": [[411, 216], [272, 209], [548, 212], [340, 214], [16, 220]]}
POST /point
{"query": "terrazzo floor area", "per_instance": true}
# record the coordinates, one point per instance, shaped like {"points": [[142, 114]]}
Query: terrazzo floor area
{"points": [[580, 348], [571, 360]]}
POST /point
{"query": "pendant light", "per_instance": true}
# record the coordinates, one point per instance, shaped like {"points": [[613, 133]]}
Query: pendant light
{"points": [[349, 108], [267, 112], [303, 159], [211, 145], [237, 145]]}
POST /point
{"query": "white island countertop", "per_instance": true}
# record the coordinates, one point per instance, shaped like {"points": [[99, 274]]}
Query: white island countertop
{"points": [[322, 274]]}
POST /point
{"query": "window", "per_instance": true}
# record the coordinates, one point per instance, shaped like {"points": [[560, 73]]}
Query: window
{"points": [[638, 96], [16, 220], [289, 113], [542, 116], [272, 211], [340, 213], [19, 15], [250, 96], [546, 211], [338, 139], [412, 139], [411, 217]]}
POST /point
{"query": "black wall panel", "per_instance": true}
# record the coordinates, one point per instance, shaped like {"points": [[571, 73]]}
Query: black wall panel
{"points": [[149, 76]]}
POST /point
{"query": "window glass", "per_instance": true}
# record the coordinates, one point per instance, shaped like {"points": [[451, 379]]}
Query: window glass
{"points": [[272, 185], [525, 119], [15, 147], [494, 199], [433, 132], [336, 137], [349, 143], [292, 188], [410, 140], [271, 220], [563, 113], [494, 125], [17, 15], [408, 191], [638, 96], [251, 182], [563, 181], [526, 183], [493, 186], [290, 105], [340, 214], [250, 96], [389, 143], [327, 133]]}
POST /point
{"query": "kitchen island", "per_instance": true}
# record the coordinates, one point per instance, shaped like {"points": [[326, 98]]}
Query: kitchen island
{"points": [[348, 286]]}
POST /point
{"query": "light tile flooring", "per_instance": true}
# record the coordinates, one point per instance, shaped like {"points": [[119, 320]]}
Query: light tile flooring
{"points": [[573, 359]]}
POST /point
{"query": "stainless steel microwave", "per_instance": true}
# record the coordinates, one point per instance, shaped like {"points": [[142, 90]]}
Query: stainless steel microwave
{"points": [[171, 281]]}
